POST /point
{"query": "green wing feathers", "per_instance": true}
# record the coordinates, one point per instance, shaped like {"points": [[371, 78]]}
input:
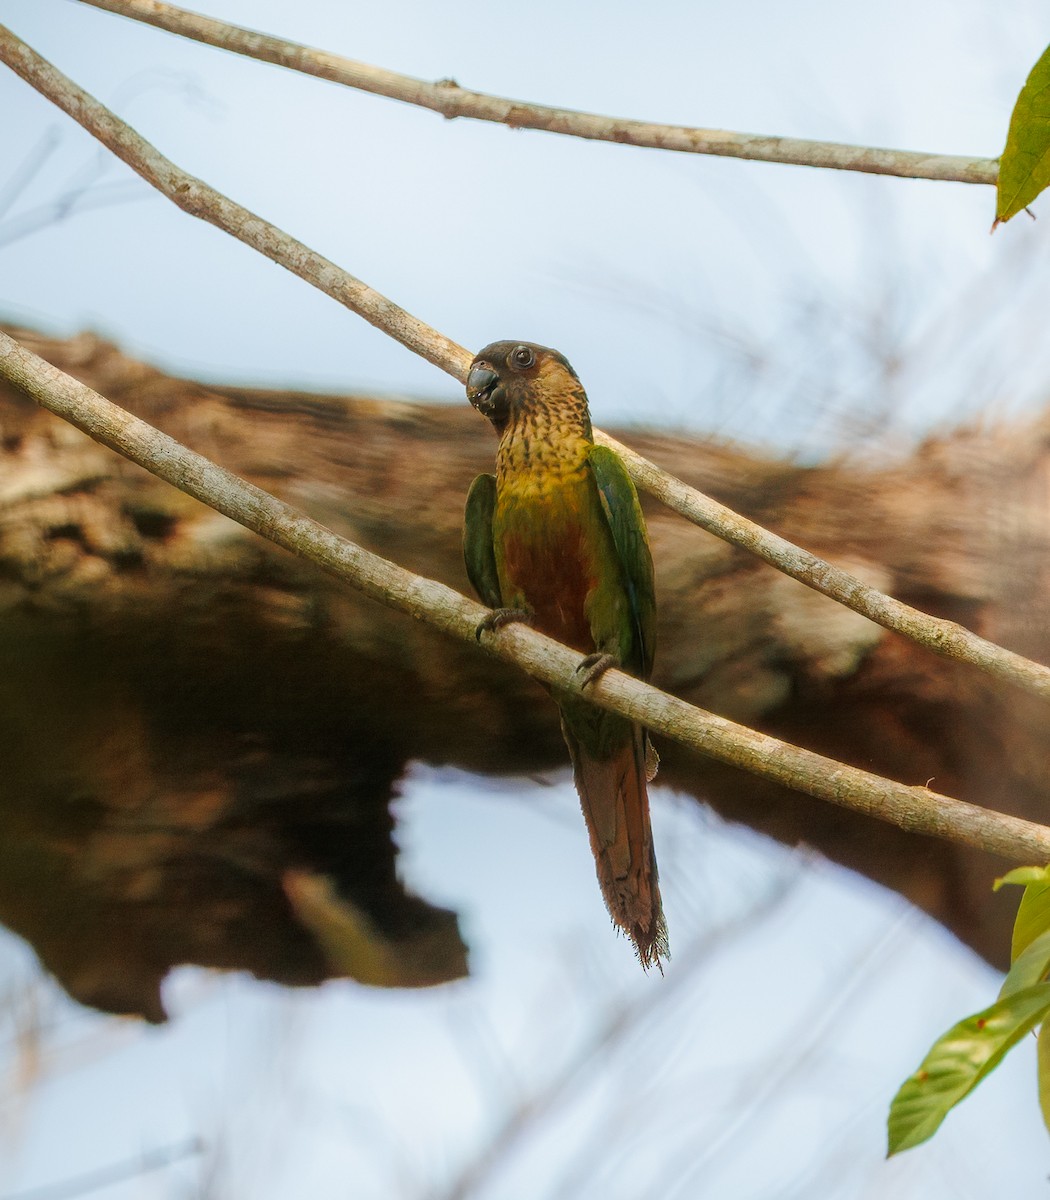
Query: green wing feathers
{"points": [[623, 513], [613, 759], [479, 554]]}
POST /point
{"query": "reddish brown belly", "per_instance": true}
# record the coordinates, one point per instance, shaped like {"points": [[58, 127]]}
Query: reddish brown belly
{"points": [[551, 570]]}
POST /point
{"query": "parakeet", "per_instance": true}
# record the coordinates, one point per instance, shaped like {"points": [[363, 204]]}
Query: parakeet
{"points": [[557, 537]]}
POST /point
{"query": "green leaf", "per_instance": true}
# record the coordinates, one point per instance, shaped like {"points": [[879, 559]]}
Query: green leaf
{"points": [[1033, 913], [1023, 876], [1043, 1059], [1029, 967], [958, 1061], [1033, 918], [1024, 168]]}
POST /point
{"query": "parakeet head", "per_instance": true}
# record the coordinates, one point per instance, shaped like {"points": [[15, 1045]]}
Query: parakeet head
{"points": [[511, 378]]}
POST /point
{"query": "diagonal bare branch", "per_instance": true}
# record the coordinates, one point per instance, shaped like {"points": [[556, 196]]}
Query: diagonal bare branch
{"points": [[944, 637], [915, 809], [451, 100], [200, 200]]}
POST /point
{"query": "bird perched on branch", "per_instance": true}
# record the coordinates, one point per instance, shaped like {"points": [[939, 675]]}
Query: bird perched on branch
{"points": [[556, 538]]}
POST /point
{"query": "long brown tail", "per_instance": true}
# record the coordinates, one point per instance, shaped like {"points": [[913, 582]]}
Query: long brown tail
{"points": [[615, 806]]}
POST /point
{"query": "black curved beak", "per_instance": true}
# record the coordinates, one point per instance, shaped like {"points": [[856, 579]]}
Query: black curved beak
{"points": [[481, 382]]}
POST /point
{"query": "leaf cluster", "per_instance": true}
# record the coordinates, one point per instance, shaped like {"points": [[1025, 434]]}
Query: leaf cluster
{"points": [[973, 1048], [1024, 169]]}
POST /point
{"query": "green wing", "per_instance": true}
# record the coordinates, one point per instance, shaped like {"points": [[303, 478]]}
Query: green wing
{"points": [[623, 513], [478, 552]]}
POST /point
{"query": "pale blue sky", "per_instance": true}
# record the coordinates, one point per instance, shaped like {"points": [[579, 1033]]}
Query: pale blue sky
{"points": [[661, 276], [723, 296]]}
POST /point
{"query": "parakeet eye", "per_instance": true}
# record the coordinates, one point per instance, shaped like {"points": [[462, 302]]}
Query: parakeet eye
{"points": [[522, 357]]}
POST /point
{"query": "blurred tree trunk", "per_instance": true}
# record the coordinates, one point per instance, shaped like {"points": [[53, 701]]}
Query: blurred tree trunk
{"points": [[200, 734]]}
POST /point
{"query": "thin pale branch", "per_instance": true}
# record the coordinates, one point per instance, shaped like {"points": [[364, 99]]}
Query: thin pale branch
{"points": [[200, 200], [915, 809], [449, 99], [935, 633]]}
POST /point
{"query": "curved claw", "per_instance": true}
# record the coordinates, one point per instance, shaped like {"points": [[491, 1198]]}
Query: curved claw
{"points": [[499, 617], [594, 666]]}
